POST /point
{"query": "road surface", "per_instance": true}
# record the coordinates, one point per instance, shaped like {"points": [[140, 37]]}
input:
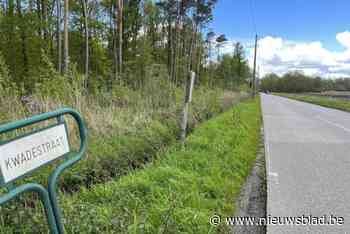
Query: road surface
{"points": [[308, 164]]}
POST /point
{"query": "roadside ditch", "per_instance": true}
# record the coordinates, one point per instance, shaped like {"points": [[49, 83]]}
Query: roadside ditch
{"points": [[252, 200]]}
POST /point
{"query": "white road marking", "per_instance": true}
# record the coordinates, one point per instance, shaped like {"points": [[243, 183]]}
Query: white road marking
{"points": [[274, 177], [334, 124]]}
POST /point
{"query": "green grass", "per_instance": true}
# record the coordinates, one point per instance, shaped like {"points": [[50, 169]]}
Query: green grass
{"points": [[123, 139], [339, 104], [176, 193], [180, 191], [114, 156]]}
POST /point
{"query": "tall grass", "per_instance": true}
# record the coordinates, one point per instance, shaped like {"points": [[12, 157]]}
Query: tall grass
{"points": [[177, 193], [127, 128]]}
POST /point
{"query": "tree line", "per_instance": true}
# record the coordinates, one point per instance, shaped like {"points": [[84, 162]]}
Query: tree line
{"points": [[114, 42], [297, 82]]}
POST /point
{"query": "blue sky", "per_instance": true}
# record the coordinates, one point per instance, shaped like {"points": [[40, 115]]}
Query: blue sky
{"points": [[296, 20], [319, 25]]}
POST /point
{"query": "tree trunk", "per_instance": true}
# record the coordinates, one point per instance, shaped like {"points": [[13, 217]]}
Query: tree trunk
{"points": [[86, 29], [210, 62], [10, 37], [169, 45], [38, 5], [193, 46], [111, 41], [115, 47], [120, 48], [176, 44], [52, 28], [23, 38], [30, 6], [174, 49], [59, 37], [199, 52], [44, 21], [65, 50]]}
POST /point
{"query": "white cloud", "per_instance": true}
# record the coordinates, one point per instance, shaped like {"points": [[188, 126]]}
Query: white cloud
{"points": [[278, 55], [344, 39]]}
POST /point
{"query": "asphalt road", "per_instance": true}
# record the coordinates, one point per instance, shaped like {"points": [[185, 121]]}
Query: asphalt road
{"points": [[308, 164]]}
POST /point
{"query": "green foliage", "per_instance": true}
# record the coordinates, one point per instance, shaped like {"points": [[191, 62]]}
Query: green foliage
{"points": [[158, 87], [178, 193], [117, 155], [4, 72], [46, 80], [29, 43], [233, 70], [125, 133], [296, 82], [50, 84], [205, 107], [6, 85], [153, 198], [131, 116]]}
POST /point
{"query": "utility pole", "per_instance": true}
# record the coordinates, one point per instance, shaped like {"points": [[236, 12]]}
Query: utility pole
{"points": [[257, 87], [254, 68]]}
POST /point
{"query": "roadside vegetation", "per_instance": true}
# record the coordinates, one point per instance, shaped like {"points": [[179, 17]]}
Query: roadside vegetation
{"points": [[176, 193], [125, 75], [126, 131], [297, 82], [124, 66], [122, 137], [324, 92], [325, 101]]}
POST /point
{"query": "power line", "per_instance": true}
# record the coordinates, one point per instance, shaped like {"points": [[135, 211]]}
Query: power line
{"points": [[253, 19]]}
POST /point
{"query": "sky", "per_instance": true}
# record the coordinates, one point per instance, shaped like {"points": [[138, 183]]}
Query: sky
{"points": [[312, 36]]}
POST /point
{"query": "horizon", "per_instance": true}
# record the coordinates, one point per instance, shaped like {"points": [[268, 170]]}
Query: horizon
{"points": [[293, 35]]}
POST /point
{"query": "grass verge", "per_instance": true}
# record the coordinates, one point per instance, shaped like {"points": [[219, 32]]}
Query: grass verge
{"points": [[176, 193], [330, 102], [122, 139], [179, 192]]}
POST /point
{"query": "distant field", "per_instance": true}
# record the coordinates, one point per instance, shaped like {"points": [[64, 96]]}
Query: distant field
{"points": [[335, 94], [322, 99]]}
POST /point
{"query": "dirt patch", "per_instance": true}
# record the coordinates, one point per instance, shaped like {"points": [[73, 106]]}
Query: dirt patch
{"points": [[252, 200]]}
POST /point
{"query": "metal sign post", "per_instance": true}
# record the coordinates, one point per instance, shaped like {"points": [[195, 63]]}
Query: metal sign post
{"points": [[25, 154]]}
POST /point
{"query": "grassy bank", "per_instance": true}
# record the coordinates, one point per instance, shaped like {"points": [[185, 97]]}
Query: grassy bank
{"points": [[330, 102], [178, 192], [125, 130], [122, 137]]}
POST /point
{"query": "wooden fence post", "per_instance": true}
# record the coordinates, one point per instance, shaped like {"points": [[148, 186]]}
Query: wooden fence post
{"points": [[188, 99]]}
